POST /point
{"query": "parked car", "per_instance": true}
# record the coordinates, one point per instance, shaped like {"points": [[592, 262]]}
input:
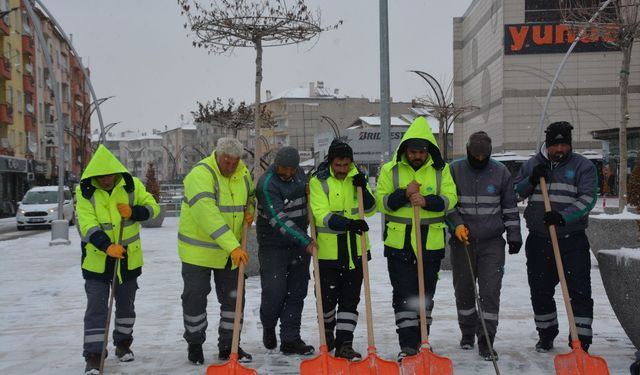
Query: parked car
{"points": [[39, 207]]}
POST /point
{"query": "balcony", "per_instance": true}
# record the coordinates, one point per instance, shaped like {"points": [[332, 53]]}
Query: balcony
{"points": [[4, 28], [6, 114], [29, 123], [5, 68], [28, 84], [28, 47]]}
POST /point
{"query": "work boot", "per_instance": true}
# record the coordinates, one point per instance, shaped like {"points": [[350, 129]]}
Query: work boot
{"points": [[195, 354], [296, 347], [467, 341], [406, 352], [635, 368], [584, 346], [485, 351], [243, 357], [544, 345], [93, 364], [331, 341], [123, 351], [346, 351], [269, 338]]}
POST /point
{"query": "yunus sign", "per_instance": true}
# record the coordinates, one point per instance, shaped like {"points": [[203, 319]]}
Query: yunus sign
{"points": [[557, 38]]}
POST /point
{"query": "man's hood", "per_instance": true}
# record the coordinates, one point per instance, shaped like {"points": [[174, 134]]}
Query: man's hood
{"points": [[420, 129]]}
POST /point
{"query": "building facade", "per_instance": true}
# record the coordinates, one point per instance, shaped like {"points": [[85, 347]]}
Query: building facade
{"points": [[506, 54]]}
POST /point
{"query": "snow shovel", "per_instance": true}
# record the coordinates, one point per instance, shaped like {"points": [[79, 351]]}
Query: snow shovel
{"points": [[480, 312], [425, 362], [233, 367], [111, 297], [372, 364], [323, 363], [576, 362]]}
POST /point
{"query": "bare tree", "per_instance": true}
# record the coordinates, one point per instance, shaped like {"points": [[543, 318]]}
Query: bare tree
{"points": [[440, 105], [231, 117], [618, 25], [223, 25]]}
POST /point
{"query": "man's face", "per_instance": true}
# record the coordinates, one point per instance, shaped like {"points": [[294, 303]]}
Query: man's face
{"points": [[558, 151], [107, 181], [340, 167], [227, 164], [417, 157], [286, 173]]}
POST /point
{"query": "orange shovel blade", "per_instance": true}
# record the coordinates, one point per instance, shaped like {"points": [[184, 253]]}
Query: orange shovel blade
{"points": [[230, 368], [579, 362], [426, 363], [324, 364], [374, 365]]}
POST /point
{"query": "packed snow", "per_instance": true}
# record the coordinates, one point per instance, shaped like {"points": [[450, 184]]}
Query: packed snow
{"points": [[42, 304]]}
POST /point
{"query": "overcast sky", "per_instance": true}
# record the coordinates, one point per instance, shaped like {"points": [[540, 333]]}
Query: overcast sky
{"points": [[139, 52]]}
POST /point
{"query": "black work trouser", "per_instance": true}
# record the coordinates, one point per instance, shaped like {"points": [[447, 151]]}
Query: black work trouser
{"points": [[404, 280], [197, 286], [341, 288], [284, 277], [487, 259], [543, 278], [95, 316]]}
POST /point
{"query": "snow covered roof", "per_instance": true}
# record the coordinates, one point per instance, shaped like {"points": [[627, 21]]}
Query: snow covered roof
{"points": [[318, 89]]}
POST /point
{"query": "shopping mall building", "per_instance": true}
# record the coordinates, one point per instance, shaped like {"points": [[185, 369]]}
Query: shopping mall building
{"points": [[506, 53]]}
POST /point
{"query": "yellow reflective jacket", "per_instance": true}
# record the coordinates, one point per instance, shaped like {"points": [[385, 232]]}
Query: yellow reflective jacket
{"points": [[99, 222], [435, 179], [330, 196], [212, 213]]}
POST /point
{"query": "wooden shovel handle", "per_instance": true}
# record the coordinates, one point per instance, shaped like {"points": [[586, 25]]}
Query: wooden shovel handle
{"points": [[235, 341], [423, 303], [316, 276], [365, 274], [556, 253]]}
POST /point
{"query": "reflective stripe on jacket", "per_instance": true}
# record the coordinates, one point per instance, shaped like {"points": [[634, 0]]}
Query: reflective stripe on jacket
{"points": [[212, 213]]}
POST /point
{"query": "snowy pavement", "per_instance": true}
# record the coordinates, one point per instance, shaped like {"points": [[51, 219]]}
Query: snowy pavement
{"points": [[42, 304]]}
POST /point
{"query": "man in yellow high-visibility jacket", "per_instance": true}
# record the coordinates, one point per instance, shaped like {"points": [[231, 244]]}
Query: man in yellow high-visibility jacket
{"points": [[110, 203], [416, 176], [216, 193], [334, 203]]}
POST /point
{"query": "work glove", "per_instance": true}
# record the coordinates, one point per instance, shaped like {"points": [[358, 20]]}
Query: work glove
{"points": [[358, 226], [116, 250], [514, 247], [462, 233], [239, 255], [360, 180], [248, 218], [125, 210], [554, 218], [539, 170]]}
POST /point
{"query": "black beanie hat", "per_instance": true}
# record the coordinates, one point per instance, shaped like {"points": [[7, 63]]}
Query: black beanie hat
{"points": [[557, 133], [479, 144], [339, 149], [417, 144], [287, 157]]}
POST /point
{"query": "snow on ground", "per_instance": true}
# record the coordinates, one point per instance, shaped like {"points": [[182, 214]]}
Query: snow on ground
{"points": [[42, 305]]}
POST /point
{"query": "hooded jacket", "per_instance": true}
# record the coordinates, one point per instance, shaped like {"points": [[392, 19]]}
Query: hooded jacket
{"points": [[573, 191], [212, 213], [100, 223], [437, 187]]}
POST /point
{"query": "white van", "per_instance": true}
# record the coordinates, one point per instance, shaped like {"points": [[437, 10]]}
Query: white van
{"points": [[39, 207]]}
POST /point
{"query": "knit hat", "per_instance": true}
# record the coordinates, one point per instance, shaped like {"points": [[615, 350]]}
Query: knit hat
{"points": [[287, 157], [558, 133], [417, 144], [479, 144], [339, 149]]}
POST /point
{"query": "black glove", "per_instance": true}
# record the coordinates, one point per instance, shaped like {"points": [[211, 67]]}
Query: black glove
{"points": [[554, 218], [514, 247], [539, 170], [360, 180], [358, 226]]}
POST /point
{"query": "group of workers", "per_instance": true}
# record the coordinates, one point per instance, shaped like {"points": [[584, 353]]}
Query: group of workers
{"points": [[474, 199]]}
